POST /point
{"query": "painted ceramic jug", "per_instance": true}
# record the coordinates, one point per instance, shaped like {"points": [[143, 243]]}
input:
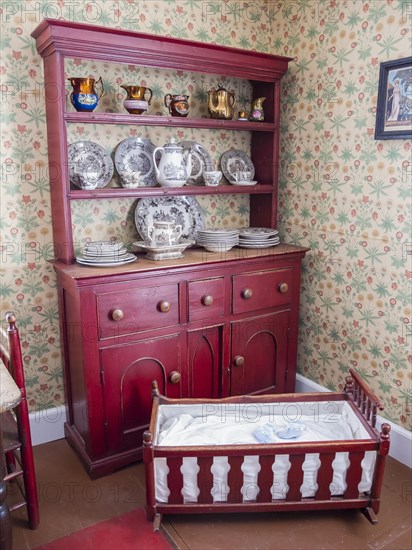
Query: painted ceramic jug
{"points": [[137, 100], [173, 169], [83, 95], [221, 103], [178, 105], [256, 111]]}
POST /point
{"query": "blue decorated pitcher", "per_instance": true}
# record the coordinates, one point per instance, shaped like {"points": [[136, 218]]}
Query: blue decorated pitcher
{"points": [[84, 96]]}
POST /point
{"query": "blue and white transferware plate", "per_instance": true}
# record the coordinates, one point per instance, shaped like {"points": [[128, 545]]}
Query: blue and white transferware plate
{"points": [[184, 211], [233, 161], [87, 157], [136, 155]]}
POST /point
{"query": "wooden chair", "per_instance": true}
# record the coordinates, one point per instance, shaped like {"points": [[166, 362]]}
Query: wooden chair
{"points": [[17, 446]]}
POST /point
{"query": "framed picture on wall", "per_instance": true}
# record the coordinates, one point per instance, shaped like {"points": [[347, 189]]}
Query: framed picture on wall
{"points": [[394, 109]]}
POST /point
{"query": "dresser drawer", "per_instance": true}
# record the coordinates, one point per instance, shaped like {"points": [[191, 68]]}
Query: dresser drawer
{"points": [[206, 298], [137, 309], [260, 290]]}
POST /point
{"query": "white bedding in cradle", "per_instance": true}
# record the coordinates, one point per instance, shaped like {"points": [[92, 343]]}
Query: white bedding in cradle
{"points": [[223, 424]]}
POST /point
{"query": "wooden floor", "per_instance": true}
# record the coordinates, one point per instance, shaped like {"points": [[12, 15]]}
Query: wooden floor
{"points": [[70, 501]]}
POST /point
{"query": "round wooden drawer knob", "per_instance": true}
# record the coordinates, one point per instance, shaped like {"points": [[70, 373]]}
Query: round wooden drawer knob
{"points": [[239, 361], [283, 288], [207, 300], [247, 293], [175, 377], [117, 314], [164, 306]]}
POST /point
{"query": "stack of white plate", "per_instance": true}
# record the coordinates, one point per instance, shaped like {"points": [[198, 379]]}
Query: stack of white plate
{"points": [[105, 254], [218, 240], [258, 237]]}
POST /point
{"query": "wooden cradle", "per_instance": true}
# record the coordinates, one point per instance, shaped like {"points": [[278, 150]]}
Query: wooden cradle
{"points": [[361, 400]]}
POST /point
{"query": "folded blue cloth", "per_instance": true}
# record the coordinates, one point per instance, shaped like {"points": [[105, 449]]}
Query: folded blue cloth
{"points": [[265, 433], [268, 432], [292, 431]]}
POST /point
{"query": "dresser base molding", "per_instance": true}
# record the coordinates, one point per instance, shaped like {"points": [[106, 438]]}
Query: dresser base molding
{"points": [[104, 466]]}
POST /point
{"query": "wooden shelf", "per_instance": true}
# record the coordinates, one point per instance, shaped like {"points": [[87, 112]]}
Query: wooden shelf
{"points": [[57, 40], [141, 192], [166, 121]]}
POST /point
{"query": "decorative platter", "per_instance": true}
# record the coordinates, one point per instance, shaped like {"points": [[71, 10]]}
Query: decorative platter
{"points": [[136, 155], [233, 161], [185, 211], [86, 157], [201, 161]]}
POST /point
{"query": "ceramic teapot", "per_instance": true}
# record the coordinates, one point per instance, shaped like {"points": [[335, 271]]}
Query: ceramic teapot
{"points": [[83, 95], [173, 169], [221, 103]]}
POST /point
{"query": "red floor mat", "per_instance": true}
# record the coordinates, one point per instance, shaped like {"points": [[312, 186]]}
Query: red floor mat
{"points": [[130, 531]]}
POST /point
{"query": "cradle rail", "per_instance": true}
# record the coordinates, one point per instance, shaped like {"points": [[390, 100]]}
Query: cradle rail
{"points": [[360, 398]]}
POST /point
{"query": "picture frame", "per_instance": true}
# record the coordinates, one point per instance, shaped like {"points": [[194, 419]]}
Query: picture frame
{"points": [[394, 108]]}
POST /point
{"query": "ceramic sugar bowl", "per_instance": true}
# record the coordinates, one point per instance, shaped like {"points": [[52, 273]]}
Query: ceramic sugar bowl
{"points": [[164, 233]]}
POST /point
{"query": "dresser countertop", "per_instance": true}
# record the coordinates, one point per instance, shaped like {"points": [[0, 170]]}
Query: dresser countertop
{"points": [[191, 257]]}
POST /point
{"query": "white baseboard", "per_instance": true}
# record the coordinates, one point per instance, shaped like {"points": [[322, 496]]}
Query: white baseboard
{"points": [[401, 439], [47, 425]]}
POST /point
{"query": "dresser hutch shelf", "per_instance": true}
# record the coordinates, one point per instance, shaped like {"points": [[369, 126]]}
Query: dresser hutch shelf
{"points": [[205, 325], [166, 121]]}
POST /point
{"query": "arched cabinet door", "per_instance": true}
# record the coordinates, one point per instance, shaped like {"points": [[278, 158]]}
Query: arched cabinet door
{"points": [[204, 352], [127, 375], [259, 353]]}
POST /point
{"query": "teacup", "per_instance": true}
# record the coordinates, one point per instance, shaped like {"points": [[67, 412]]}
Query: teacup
{"points": [[243, 175], [130, 180], [89, 180], [164, 233], [212, 178]]}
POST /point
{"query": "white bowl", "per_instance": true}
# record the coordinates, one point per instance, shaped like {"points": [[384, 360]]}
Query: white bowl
{"points": [[220, 247]]}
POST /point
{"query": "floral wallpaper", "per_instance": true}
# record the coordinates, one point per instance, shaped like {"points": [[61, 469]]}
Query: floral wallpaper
{"points": [[343, 194]]}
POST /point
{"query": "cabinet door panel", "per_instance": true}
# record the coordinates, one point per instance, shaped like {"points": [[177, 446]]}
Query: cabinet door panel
{"points": [[259, 354], [128, 372], [204, 360]]}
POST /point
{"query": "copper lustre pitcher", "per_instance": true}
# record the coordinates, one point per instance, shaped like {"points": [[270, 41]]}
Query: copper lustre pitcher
{"points": [[138, 99], [84, 96]]}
